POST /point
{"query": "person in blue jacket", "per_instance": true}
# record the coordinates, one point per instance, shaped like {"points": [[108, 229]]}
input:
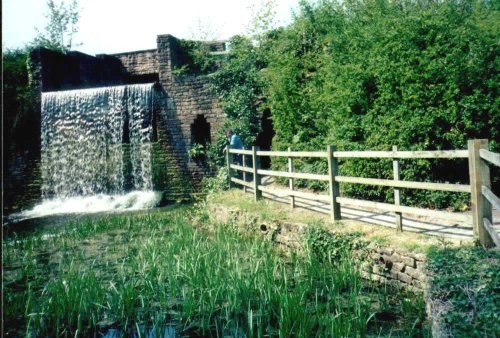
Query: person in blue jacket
{"points": [[235, 143]]}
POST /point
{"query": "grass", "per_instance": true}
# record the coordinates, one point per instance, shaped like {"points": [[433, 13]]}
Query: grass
{"points": [[145, 273]]}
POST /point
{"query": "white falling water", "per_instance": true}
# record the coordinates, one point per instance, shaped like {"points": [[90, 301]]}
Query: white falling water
{"points": [[84, 167], [139, 105]]}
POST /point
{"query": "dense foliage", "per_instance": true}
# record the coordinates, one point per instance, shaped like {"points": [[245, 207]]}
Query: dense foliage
{"points": [[239, 84], [329, 246], [17, 100], [467, 279], [366, 74], [196, 58], [21, 131]]}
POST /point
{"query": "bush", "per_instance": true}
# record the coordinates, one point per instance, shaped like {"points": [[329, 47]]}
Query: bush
{"points": [[329, 246], [238, 84], [368, 74], [215, 184], [468, 278]]}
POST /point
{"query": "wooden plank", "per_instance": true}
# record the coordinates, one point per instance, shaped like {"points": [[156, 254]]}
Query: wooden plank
{"points": [[291, 180], [229, 160], [491, 231], [296, 193], [243, 158], [334, 187], [292, 154], [479, 173], [242, 168], [490, 156], [398, 217], [318, 177], [405, 184], [403, 154], [243, 183], [491, 197], [240, 151], [457, 217], [256, 176]]}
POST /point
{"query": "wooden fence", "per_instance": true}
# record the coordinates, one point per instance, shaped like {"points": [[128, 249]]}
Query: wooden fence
{"points": [[477, 154]]}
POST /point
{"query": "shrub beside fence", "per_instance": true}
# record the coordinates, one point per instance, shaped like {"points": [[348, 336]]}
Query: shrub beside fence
{"points": [[477, 154]]}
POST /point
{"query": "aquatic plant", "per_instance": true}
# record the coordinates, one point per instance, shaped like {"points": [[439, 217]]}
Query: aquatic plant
{"points": [[146, 273]]}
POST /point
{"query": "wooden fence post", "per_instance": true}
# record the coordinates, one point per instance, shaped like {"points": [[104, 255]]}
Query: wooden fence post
{"points": [[291, 181], [229, 161], [243, 163], [397, 198], [256, 177], [333, 171], [479, 174]]}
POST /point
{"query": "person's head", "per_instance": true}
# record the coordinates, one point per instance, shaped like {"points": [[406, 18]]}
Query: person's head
{"points": [[229, 132]]}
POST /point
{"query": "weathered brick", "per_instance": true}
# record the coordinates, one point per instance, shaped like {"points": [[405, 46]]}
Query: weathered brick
{"points": [[378, 269], [395, 258], [418, 284], [404, 277], [415, 273], [409, 261], [398, 267], [386, 251]]}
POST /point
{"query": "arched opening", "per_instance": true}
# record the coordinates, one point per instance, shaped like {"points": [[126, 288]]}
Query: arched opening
{"points": [[200, 131], [265, 137]]}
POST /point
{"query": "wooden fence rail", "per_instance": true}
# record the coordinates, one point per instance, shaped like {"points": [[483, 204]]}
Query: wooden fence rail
{"points": [[478, 155]]}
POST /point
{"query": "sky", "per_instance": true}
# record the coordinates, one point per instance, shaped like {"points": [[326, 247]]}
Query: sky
{"points": [[113, 26]]}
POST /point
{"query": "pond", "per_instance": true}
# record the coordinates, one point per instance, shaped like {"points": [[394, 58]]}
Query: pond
{"points": [[174, 274]]}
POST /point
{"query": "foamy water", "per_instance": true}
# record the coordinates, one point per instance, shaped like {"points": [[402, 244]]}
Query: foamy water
{"points": [[96, 141], [135, 200]]}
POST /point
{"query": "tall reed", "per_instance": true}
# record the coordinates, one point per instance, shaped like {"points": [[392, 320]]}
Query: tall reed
{"points": [[151, 272]]}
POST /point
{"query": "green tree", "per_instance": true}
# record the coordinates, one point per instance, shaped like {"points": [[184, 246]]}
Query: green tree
{"points": [[61, 26], [238, 84], [369, 74]]}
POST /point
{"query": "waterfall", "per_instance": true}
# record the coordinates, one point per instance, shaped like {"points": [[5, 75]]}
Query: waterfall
{"points": [[85, 135], [96, 150]]}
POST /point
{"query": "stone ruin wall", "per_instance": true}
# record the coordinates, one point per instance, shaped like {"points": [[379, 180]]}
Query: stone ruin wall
{"points": [[139, 62], [179, 100]]}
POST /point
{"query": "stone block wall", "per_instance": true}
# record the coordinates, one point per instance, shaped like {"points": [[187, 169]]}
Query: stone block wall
{"points": [[185, 98], [139, 62], [395, 267], [179, 100]]}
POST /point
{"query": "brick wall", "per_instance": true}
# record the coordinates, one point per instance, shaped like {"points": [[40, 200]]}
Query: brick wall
{"points": [[139, 62], [185, 97], [178, 100]]}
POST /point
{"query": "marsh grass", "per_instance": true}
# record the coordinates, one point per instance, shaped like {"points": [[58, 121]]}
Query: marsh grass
{"points": [[141, 274]]}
